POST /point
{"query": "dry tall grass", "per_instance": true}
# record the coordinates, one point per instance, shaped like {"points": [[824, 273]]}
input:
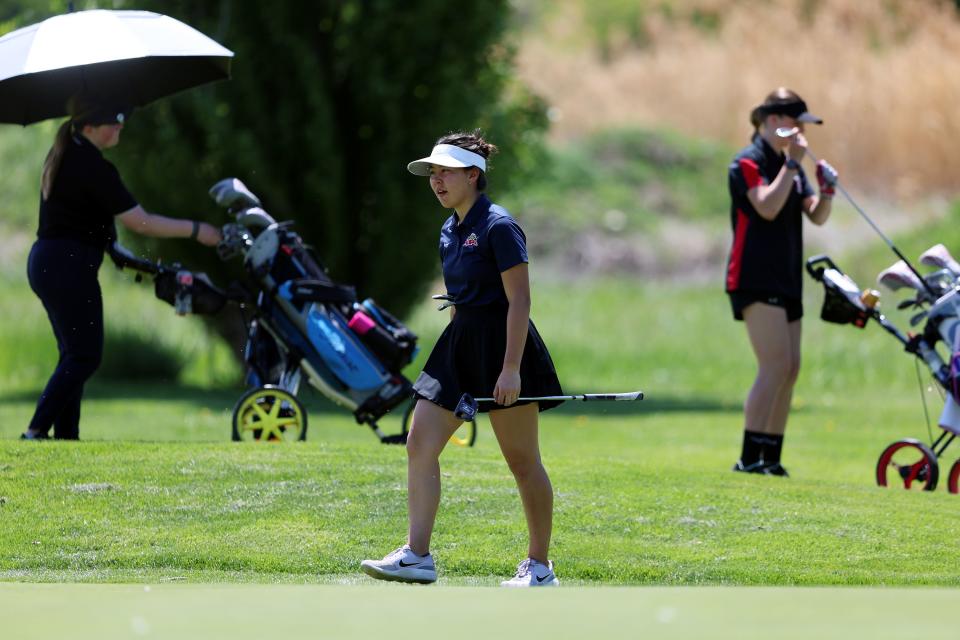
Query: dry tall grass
{"points": [[884, 75]]}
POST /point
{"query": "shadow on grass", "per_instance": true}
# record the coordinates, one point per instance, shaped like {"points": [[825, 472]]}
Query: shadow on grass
{"points": [[316, 403], [217, 398]]}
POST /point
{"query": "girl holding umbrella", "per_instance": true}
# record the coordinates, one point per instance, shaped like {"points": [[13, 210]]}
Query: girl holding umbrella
{"points": [[82, 196]]}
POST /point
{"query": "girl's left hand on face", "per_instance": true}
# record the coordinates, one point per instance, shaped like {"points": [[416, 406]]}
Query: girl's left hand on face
{"points": [[508, 387], [798, 147]]}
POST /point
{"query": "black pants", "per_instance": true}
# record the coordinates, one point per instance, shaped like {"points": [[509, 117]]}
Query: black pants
{"points": [[63, 274]]}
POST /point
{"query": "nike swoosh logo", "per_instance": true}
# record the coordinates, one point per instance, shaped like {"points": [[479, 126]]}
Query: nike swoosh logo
{"points": [[405, 565], [539, 579]]}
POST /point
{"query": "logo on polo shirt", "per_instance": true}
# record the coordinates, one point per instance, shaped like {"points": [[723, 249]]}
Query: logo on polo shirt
{"points": [[471, 241]]}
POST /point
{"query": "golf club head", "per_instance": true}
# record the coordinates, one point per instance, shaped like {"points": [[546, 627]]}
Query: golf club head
{"points": [[255, 218], [938, 256], [467, 408], [233, 195], [941, 281], [898, 275], [786, 132]]}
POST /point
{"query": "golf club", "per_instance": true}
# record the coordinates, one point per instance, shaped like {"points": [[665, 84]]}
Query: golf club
{"points": [[939, 256], [786, 132], [447, 301], [467, 407]]}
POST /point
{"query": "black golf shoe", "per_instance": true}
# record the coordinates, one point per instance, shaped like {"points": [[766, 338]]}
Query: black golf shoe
{"points": [[775, 469], [754, 467]]}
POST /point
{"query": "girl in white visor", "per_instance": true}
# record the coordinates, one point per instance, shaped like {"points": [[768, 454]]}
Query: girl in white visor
{"points": [[490, 349]]}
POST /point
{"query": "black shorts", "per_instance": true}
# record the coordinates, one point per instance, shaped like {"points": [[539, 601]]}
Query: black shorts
{"points": [[468, 358], [740, 300]]}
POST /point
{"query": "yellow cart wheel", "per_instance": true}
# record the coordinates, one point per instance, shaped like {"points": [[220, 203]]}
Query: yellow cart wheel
{"points": [[269, 414], [465, 436]]}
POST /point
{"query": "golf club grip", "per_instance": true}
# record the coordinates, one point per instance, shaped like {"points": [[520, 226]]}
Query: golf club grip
{"points": [[634, 395]]}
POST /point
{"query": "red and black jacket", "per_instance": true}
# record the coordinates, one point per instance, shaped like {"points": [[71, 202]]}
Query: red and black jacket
{"points": [[767, 255]]}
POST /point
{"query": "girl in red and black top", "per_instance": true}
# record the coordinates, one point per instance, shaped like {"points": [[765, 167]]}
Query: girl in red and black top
{"points": [[770, 194]]}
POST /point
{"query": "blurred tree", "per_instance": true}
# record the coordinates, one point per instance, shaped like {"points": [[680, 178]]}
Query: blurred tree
{"points": [[328, 102], [18, 13]]}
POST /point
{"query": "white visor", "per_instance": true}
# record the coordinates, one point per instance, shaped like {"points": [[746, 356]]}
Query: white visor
{"points": [[447, 155]]}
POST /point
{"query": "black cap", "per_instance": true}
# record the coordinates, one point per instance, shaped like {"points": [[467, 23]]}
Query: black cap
{"points": [[794, 108], [88, 110]]}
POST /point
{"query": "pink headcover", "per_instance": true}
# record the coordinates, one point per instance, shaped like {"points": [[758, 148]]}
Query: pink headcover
{"points": [[360, 323]]}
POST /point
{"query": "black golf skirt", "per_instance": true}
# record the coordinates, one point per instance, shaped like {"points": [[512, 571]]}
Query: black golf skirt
{"points": [[468, 358]]}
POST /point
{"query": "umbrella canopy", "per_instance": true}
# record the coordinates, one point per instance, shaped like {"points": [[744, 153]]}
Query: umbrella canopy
{"points": [[133, 57]]}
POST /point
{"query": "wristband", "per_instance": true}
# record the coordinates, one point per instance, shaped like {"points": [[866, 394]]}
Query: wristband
{"points": [[792, 164], [196, 230]]}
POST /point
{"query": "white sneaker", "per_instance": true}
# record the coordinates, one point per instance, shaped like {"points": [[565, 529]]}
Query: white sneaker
{"points": [[531, 573], [402, 565]]}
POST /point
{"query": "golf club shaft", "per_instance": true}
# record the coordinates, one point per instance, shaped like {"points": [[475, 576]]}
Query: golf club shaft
{"points": [[864, 215], [634, 395], [880, 233], [786, 133]]}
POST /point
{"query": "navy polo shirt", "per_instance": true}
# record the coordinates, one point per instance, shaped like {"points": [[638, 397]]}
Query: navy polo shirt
{"points": [[86, 194], [766, 255], [475, 252]]}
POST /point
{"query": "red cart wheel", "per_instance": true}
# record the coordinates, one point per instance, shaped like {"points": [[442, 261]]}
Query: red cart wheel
{"points": [[953, 480], [911, 462]]}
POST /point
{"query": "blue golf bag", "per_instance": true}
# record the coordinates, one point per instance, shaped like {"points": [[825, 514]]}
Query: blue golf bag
{"points": [[304, 324]]}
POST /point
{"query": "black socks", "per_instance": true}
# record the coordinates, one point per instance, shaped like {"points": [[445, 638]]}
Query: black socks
{"points": [[752, 447], [772, 447], [761, 445]]}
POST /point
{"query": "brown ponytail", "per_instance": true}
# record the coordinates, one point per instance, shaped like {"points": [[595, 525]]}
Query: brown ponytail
{"points": [[52, 164], [472, 141]]}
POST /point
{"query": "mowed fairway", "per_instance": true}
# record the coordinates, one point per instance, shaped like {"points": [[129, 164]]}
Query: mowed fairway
{"points": [[241, 612]]}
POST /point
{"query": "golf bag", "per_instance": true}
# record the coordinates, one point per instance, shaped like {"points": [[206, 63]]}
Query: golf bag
{"points": [[306, 324], [842, 302], [937, 345]]}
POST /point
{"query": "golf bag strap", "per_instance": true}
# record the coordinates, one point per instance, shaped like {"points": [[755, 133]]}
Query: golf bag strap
{"points": [[317, 291]]}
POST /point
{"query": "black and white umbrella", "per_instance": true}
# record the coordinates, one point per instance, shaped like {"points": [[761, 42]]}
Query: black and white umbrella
{"points": [[131, 57]]}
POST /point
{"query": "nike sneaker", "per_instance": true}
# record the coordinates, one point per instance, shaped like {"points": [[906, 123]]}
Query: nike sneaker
{"points": [[755, 467], [402, 565], [531, 573]]}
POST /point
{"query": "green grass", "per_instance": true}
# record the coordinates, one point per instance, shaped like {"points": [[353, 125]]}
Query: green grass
{"points": [[22, 151], [640, 500], [624, 180], [644, 491], [144, 339]]}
